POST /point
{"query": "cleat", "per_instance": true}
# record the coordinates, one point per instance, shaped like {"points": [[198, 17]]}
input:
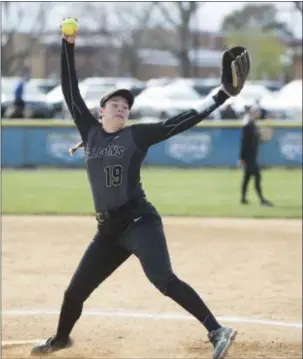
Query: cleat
{"points": [[50, 345], [222, 339], [266, 203], [244, 201]]}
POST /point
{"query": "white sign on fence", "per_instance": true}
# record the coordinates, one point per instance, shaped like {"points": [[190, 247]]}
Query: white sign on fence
{"points": [[189, 147]]}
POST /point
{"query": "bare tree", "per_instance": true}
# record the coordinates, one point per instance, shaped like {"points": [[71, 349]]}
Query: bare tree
{"points": [[95, 40], [14, 51], [137, 21], [299, 6], [125, 25], [178, 16]]}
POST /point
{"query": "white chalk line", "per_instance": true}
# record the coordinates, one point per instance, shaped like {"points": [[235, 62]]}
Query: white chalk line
{"points": [[145, 315], [9, 343], [129, 314]]}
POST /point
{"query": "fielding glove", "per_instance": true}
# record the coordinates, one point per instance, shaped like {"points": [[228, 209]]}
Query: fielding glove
{"points": [[235, 69]]}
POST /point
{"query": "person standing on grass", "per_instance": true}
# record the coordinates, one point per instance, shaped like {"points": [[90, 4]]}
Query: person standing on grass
{"points": [[250, 141], [127, 222]]}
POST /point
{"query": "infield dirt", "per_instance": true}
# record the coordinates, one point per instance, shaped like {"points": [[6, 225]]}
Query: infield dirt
{"points": [[241, 268]]}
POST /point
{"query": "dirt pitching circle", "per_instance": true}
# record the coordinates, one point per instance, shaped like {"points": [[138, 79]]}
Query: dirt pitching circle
{"points": [[243, 269]]}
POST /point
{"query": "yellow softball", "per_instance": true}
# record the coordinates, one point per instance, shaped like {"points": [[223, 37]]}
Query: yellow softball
{"points": [[69, 26]]}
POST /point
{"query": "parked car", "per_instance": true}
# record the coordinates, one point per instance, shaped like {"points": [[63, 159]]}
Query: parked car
{"points": [[91, 95], [286, 103], [202, 86], [135, 86], [55, 101], [250, 94], [270, 85], [92, 89], [44, 85], [132, 84], [7, 88], [163, 102], [3, 104], [36, 105], [113, 81], [254, 92], [161, 81]]}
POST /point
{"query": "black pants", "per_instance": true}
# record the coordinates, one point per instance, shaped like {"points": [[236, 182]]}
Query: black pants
{"points": [[252, 169], [18, 109], [105, 254], [114, 242]]}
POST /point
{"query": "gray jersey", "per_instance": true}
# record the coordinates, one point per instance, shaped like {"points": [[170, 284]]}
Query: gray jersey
{"points": [[113, 167], [114, 160]]}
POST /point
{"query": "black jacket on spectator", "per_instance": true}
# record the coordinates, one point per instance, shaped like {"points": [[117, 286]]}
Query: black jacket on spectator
{"points": [[250, 140]]}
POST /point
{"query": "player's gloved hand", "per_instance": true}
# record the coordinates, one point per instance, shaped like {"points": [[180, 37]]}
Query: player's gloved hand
{"points": [[69, 28], [235, 69], [265, 134]]}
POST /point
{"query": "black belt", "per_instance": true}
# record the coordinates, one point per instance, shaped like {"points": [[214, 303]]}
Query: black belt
{"points": [[117, 212]]}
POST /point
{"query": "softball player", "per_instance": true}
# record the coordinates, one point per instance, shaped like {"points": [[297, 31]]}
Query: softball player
{"points": [[250, 141], [127, 222]]}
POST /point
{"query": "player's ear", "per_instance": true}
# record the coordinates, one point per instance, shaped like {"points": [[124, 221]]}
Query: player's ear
{"points": [[101, 110]]}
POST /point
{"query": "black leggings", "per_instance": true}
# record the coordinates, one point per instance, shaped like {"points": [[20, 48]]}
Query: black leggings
{"points": [[145, 239], [252, 169]]}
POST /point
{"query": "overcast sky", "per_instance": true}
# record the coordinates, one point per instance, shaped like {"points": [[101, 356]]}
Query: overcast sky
{"points": [[210, 15], [214, 13]]}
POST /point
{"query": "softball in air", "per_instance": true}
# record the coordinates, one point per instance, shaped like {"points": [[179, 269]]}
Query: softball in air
{"points": [[69, 26]]}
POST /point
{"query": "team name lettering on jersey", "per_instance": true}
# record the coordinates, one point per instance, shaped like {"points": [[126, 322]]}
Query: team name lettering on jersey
{"points": [[110, 150]]}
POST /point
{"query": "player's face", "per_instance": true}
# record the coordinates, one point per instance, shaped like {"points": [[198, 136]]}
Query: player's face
{"points": [[115, 113]]}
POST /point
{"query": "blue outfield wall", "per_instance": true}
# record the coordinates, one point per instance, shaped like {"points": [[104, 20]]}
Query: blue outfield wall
{"points": [[200, 146]]}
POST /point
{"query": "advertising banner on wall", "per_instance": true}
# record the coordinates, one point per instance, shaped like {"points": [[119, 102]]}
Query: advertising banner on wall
{"points": [[197, 147]]}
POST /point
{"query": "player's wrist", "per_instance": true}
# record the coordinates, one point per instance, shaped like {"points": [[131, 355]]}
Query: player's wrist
{"points": [[68, 40], [225, 91], [221, 96]]}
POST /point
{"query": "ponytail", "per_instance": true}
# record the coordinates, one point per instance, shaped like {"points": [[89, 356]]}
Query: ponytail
{"points": [[75, 148]]}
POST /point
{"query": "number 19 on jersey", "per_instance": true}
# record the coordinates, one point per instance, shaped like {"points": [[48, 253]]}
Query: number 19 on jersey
{"points": [[113, 175]]}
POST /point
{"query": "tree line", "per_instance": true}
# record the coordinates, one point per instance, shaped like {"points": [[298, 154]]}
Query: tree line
{"points": [[254, 26]]}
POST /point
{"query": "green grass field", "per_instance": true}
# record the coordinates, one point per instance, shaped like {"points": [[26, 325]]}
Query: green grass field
{"points": [[182, 192]]}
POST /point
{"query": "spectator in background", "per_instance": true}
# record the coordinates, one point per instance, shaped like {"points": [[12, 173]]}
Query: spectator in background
{"points": [[228, 113], [19, 103], [262, 111], [250, 141]]}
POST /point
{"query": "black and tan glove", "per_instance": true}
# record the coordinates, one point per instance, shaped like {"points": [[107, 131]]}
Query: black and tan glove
{"points": [[235, 69]]}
